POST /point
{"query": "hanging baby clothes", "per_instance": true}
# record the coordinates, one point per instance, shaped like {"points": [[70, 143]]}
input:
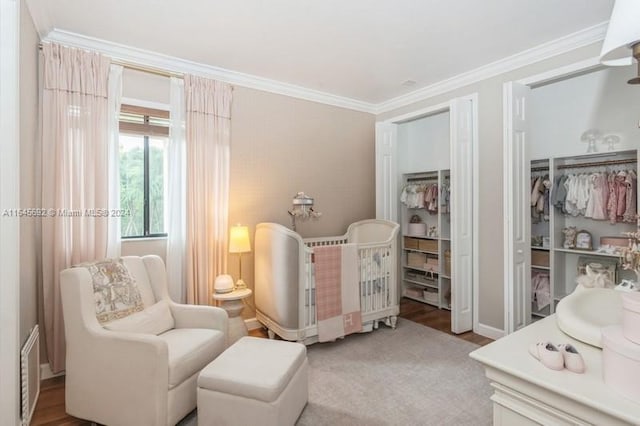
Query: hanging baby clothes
{"points": [[431, 199], [540, 290], [621, 187], [597, 205], [631, 197], [413, 196], [444, 198], [612, 205]]}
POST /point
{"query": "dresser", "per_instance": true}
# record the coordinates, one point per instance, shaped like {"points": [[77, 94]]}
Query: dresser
{"points": [[528, 393]]}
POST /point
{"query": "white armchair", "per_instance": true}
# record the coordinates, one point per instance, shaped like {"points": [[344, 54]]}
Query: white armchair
{"points": [[142, 369]]}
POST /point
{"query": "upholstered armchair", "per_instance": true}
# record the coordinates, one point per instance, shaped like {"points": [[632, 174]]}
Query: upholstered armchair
{"points": [[133, 355]]}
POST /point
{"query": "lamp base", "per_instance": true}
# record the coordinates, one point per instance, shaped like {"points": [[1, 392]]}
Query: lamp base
{"points": [[240, 284]]}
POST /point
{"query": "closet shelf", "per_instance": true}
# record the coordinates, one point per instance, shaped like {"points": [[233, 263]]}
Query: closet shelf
{"points": [[421, 283], [540, 248], [538, 314], [423, 237], [419, 269], [546, 268], [421, 251], [587, 252]]}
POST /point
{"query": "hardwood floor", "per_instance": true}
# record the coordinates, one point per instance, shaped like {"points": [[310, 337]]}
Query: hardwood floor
{"points": [[50, 408]]}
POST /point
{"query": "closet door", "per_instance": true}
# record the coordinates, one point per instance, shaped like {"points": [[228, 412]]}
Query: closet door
{"points": [[386, 171], [517, 201], [462, 134]]}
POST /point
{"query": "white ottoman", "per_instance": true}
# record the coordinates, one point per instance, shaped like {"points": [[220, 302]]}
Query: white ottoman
{"points": [[254, 382]]}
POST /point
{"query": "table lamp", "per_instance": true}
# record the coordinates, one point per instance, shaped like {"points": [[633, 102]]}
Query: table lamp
{"points": [[239, 243]]}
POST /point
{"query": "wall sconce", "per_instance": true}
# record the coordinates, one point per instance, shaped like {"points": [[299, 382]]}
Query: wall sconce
{"points": [[302, 209], [239, 243], [622, 42]]}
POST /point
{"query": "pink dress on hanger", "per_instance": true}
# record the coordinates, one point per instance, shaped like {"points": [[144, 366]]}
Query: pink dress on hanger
{"points": [[612, 204], [621, 188], [632, 191]]}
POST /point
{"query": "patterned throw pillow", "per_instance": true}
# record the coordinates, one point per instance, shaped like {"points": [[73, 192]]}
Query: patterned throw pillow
{"points": [[115, 291]]}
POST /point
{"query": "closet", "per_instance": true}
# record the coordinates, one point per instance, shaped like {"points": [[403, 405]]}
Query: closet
{"points": [[423, 144], [580, 207], [426, 237], [424, 209], [583, 135]]}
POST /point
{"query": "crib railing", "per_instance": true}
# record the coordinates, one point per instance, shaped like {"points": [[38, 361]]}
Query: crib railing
{"points": [[376, 277]]}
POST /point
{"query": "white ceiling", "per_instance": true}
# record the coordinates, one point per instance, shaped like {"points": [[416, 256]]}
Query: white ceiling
{"points": [[358, 49]]}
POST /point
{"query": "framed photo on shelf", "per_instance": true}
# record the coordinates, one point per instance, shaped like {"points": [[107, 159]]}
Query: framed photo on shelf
{"points": [[583, 240]]}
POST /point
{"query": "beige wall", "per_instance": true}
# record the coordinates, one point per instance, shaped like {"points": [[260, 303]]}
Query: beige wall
{"points": [[29, 192], [281, 145], [491, 253]]}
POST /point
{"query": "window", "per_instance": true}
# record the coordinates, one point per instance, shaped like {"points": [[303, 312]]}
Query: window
{"points": [[143, 171]]}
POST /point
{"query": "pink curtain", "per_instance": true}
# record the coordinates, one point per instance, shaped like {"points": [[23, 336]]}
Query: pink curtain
{"points": [[74, 174], [208, 122]]}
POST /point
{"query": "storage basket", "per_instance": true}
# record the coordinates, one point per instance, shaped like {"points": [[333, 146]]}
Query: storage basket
{"points": [[430, 295], [540, 258], [420, 277], [428, 245], [413, 292], [447, 262], [411, 243], [417, 260]]}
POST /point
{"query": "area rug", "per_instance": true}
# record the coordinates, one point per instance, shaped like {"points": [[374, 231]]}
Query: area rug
{"points": [[413, 375]]}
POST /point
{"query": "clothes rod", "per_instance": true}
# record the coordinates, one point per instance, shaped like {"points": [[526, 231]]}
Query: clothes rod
{"points": [[597, 164], [539, 169], [419, 179], [142, 68]]}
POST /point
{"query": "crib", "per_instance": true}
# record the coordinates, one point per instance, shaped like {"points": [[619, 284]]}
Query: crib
{"points": [[284, 277]]}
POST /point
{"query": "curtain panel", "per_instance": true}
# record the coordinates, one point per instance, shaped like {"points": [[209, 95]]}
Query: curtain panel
{"points": [[75, 175], [208, 125]]}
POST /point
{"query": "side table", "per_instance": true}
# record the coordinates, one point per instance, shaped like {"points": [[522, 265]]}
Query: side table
{"points": [[233, 304]]}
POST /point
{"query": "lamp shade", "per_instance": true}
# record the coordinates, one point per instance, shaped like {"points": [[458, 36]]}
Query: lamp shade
{"points": [[623, 32], [239, 239]]}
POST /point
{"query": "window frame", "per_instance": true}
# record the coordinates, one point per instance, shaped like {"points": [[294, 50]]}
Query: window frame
{"points": [[145, 129]]}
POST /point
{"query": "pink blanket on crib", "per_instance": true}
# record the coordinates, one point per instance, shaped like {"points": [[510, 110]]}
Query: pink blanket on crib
{"points": [[337, 291]]}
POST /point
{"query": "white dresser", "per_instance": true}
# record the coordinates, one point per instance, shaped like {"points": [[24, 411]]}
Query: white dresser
{"points": [[528, 393]]}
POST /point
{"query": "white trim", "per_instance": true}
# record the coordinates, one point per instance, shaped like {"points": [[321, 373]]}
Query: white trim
{"points": [[488, 331], [148, 58], [420, 113], [10, 199], [252, 323], [476, 211], [137, 56], [539, 53], [506, 225], [558, 73], [46, 373]]}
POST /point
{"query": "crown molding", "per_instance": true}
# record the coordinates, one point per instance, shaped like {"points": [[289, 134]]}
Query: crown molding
{"points": [[539, 53], [147, 58]]}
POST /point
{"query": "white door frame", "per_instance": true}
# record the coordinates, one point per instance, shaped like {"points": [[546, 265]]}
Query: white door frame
{"points": [[9, 199], [436, 109], [534, 80]]}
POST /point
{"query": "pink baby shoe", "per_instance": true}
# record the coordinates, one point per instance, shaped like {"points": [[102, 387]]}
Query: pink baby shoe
{"points": [[548, 354], [573, 361]]}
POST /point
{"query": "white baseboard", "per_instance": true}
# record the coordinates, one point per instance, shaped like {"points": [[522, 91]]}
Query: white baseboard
{"points": [[252, 324], [488, 331], [46, 373]]}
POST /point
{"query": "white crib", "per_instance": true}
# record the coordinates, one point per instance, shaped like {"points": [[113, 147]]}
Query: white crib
{"points": [[285, 285]]}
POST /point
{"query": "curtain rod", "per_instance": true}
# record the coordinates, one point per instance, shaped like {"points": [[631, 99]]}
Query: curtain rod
{"points": [[136, 67], [597, 164]]}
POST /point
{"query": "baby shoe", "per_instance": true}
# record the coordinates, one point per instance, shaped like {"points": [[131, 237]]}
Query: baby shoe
{"points": [[573, 361], [548, 354]]}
